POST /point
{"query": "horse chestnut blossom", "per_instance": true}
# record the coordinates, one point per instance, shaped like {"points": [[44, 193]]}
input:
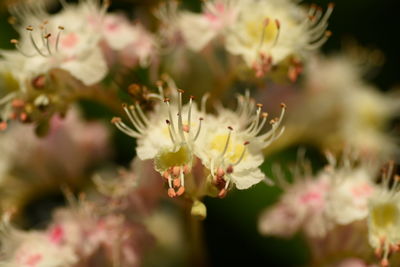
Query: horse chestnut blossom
{"points": [[193, 151], [262, 33], [337, 195], [384, 217]]}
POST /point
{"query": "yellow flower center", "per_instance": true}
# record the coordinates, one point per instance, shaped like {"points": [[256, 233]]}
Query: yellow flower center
{"points": [[385, 215], [256, 28], [167, 158], [234, 150]]}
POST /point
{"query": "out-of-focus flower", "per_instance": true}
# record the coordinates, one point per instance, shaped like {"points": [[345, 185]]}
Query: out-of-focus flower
{"points": [[384, 217], [32, 248], [193, 152], [337, 195], [302, 207], [56, 54], [64, 156], [350, 113], [263, 33]]}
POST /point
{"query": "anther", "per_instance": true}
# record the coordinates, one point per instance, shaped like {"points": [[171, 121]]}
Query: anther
{"points": [[278, 24], [180, 191], [229, 169], [220, 172], [61, 28], [116, 120], [259, 105], [230, 128], [264, 114], [177, 182], [186, 128], [181, 91], [328, 33], [3, 125], [171, 193], [29, 28], [14, 41], [166, 100], [222, 193], [47, 36], [283, 105]]}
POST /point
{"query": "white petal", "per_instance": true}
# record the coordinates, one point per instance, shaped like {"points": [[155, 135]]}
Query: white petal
{"points": [[90, 70]]}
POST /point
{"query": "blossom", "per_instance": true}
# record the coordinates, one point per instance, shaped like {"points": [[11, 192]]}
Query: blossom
{"points": [[177, 145], [53, 53], [70, 149], [262, 33], [301, 207], [384, 218]]}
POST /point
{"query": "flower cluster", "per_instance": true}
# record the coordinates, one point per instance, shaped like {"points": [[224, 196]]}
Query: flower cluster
{"points": [[200, 153]]}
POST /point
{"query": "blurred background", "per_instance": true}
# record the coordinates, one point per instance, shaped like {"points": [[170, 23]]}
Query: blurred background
{"points": [[230, 230]]}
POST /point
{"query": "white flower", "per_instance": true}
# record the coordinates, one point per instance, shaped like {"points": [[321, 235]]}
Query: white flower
{"points": [[27, 249], [231, 156], [275, 29], [384, 218], [64, 40], [234, 154], [351, 189], [301, 207], [199, 29], [164, 138]]}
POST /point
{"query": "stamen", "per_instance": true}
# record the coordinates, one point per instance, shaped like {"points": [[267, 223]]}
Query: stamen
{"points": [[204, 99], [320, 42], [170, 132], [124, 128], [278, 27], [180, 123], [46, 38], [227, 141], [243, 153], [30, 30], [132, 119], [198, 129], [190, 112], [166, 100], [141, 114], [61, 29]]}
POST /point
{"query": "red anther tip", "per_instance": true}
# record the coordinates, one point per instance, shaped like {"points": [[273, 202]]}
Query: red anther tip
{"points": [[230, 128], [278, 24], [167, 121], [115, 120], [220, 172], [166, 100], [192, 97], [177, 182], [186, 128], [246, 143], [229, 169], [181, 91], [3, 125], [259, 105], [222, 193], [331, 5], [180, 191], [283, 105], [328, 33], [264, 114], [124, 105], [201, 118], [171, 193]]}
